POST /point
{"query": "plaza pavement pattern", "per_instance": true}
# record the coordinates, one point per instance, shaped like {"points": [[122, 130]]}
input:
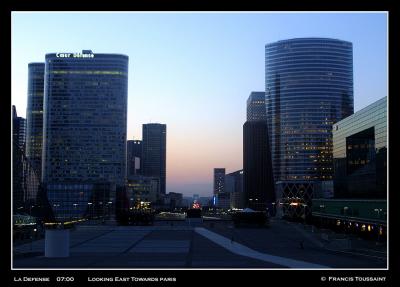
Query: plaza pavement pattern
{"points": [[178, 247]]}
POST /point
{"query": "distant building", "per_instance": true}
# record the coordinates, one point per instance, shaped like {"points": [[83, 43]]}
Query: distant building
{"points": [[34, 115], [205, 201], [224, 200], [142, 189], [174, 200], [219, 180], [237, 196], [154, 137], [229, 183], [19, 128], [84, 131], [25, 182], [258, 179], [360, 153], [134, 157], [234, 185], [187, 201], [25, 178], [256, 108]]}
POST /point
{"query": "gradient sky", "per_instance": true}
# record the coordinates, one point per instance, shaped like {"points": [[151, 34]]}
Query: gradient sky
{"points": [[194, 71]]}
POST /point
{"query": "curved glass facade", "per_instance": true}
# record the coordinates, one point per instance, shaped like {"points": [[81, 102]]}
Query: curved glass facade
{"points": [[34, 115], [85, 123], [309, 87]]}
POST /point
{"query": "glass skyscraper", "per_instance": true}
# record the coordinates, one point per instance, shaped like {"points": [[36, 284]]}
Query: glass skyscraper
{"points": [[85, 122], [256, 107], [34, 115], [154, 140], [309, 86]]}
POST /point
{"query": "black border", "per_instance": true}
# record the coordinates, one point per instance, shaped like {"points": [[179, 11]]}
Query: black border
{"points": [[256, 277]]}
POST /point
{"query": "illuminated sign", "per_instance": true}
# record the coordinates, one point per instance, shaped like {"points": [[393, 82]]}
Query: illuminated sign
{"points": [[74, 55]]}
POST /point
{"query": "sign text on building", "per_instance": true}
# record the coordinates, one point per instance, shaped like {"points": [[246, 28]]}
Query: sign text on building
{"points": [[74, 55]]}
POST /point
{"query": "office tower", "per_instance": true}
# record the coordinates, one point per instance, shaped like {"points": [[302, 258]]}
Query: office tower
{"points": [[257, 168], [34, 115], [18, 157], [258, 183], [154, 152], [25, 178], [219, 180], [224, 200], [85, 121], [25, 183], [256, 109], [234, 185], [360, 153], [174, 200], [229, 183], [134, 157], [309, 86], [19, 128], [142, 190]]}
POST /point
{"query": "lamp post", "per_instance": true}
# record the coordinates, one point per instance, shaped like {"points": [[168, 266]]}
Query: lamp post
{"points": [[102, 208], [75, 205], [109, 209], [55, 205], [90, 210]]}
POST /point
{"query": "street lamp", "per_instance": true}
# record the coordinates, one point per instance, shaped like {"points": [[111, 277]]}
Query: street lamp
{"points": [[109, 209], [55, 210], [75, 204], [90, 210]]}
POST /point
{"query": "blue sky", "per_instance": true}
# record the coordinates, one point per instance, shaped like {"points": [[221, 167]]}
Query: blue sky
{"points": [[194, 71]]}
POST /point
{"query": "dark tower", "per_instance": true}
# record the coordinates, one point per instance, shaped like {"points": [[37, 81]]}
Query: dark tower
{"points": [[155, 152], [134, 164], [257, 167]]}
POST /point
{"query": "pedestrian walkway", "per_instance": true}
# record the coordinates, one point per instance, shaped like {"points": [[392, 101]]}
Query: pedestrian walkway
{"points": [[240, 249]]}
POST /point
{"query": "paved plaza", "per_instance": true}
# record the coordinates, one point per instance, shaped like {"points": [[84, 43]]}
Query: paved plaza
{"points": [[211, 245]]}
